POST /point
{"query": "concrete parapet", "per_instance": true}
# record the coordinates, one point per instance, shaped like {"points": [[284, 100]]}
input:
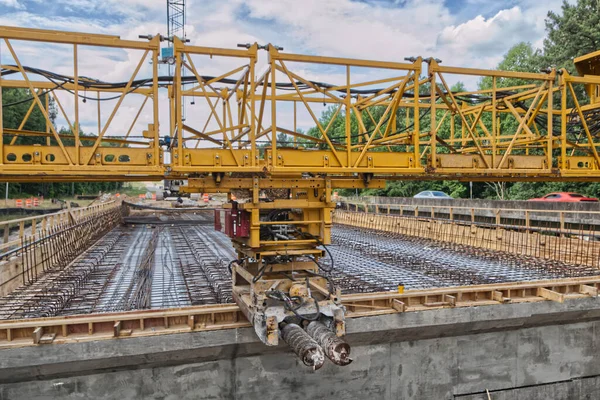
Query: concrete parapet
{"points": [[437, 354]]}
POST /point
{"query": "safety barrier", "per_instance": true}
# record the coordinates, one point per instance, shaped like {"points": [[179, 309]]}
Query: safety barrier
{"points": [[33, 227], [566, 216], [36, 244], [567, 244]]}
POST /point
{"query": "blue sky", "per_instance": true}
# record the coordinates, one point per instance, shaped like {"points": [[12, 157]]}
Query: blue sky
{"points": [[467, 9], [468, 33], [357, 28]]}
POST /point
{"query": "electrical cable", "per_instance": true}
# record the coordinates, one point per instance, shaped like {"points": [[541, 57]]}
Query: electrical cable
{"points": [[90, 83], [261, 272], [293, 303], [320, 243], [328, 279], [574, 125], [240, 261]]}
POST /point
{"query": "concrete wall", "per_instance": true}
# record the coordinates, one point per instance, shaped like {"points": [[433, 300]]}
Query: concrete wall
{"points": [[530, 351]]}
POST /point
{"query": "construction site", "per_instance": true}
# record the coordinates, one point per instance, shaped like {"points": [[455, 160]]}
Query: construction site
{"points": [[275, 286]]}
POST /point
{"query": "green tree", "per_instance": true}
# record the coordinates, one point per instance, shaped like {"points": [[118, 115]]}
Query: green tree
{"points": [[15, 104], [572, 33], [522, 57]]}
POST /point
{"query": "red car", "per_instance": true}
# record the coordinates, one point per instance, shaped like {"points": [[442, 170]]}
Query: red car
{"points": [[565, 196]]}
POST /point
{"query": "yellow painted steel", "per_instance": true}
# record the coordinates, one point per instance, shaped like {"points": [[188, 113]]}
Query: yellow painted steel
{"points": [[238, 134], [396, 124]]}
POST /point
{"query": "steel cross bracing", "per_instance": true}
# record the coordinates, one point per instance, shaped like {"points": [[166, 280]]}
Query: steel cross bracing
{"points": [[393, 126], [176, 18]]}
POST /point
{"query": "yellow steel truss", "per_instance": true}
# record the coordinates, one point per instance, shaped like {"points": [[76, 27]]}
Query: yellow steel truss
{"points": [[536, 128]]}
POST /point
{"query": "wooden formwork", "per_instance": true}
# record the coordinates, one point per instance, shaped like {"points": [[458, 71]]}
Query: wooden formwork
{"points": [[72, 329], [42, 331], [36, 226]]}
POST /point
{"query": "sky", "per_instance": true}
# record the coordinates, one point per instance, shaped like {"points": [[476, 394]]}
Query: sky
{"points": [[465, 33]]}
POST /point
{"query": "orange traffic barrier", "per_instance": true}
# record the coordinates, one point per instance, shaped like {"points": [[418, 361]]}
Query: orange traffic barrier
{"points": [[19, 203], [154, 196], [142, 196], [205, 197], [28, 203], [36, 202]]}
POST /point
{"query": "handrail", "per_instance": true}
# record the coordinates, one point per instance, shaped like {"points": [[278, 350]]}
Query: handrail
{"points": [[563, 220], [449, 206], [40, 223]]}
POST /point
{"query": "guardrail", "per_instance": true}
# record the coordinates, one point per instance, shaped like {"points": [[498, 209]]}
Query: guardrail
{"points": [[46, 242], [476, 203], [569, 243], [584, 222], [14, 231]]}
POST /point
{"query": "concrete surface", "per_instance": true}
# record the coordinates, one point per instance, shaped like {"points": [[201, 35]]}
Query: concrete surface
{"points": [[541, 350]]}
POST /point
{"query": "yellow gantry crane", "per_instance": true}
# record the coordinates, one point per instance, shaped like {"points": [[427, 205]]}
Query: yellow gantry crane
{"points": [[389, 120]]}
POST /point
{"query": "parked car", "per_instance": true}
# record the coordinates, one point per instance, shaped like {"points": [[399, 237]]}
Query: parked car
{"points": [[432, 194], [564, 197]]}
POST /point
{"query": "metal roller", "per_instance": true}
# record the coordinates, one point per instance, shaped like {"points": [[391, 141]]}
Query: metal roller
{"points": [[335, 348], [305, 347]]}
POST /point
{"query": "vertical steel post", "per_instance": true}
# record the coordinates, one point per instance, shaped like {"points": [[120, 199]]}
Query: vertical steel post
{"points": [[76, 102]]}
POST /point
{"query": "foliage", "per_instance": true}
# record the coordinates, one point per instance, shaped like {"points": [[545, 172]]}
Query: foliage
{"points": [[16, 104], [522, 57], [573, 33], [410, 188], [570, 33]]}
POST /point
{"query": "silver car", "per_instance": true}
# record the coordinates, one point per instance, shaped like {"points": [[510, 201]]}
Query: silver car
{"points": [[432, 194]]}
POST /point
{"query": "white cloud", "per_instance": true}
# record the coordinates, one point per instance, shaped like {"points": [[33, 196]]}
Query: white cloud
{"points": [[482, 42], [354, 29], [487, 39], [12, 4]]}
